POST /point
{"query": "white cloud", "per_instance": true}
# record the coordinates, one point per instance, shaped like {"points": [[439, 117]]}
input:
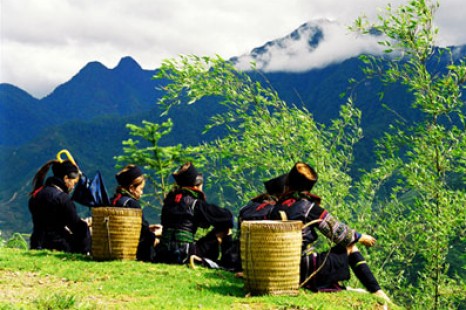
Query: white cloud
{"points": [[44, 43], [296, 55]]}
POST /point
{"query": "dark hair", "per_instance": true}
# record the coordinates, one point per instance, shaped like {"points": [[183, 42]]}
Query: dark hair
{"points": [[60, 170], [187, 175]]}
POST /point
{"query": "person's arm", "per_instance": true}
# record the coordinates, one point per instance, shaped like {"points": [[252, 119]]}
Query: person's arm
{"points": [[71, 218], [76, 225], [206, 215], [331, 227]]}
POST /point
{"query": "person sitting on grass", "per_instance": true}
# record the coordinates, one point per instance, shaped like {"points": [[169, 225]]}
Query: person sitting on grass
{"points": [[184, 210], [259, 208], [131, 183], [56, 223], [323, 271]]}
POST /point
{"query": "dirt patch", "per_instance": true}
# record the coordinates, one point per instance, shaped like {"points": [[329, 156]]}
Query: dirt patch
{"points": [[18, 287]]}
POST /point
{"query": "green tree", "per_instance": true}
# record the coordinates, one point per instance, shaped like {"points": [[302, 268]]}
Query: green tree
{"points": [[264, 135], [423, 163], [159, 161]]}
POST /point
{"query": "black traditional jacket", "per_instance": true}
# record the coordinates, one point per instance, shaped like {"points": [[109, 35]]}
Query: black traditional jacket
{"points": [[145, 251], [305, 207], [56, 224], [186, 209]]}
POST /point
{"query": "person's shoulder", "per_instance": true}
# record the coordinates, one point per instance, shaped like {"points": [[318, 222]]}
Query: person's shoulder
{"points": [[54, 192], [174, 195], [308, 196], [264, 198], [193, 193], [128, 202], [133, 203]]}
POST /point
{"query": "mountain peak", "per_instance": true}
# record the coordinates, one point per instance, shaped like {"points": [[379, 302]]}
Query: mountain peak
{"points": [[128, 64], [7, 88], [314, 44], [310, 33], [92, 66]]}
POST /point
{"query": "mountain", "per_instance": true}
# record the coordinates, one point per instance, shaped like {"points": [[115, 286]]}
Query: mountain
{"points": [[93, 92], [88, 113], [314, 45], [21, 116], [121, 91]]}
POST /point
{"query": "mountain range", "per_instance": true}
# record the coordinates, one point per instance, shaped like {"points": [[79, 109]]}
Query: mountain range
{"points": [[87, 114]]}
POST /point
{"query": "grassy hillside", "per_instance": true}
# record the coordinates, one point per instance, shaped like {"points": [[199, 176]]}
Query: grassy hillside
{"points": [[55, 280]]}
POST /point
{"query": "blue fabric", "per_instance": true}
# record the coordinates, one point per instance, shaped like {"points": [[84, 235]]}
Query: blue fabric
{"points": [[91, 192]]}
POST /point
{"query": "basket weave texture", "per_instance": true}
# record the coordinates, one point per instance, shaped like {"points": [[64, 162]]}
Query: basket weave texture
{"points": [[271, 255], [115, 233]]}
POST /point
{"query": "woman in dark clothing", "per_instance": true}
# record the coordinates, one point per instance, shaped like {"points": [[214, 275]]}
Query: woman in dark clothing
{"points": [[259, 208], [326, 269], [130, 189], [185, 209], [56, 224]]}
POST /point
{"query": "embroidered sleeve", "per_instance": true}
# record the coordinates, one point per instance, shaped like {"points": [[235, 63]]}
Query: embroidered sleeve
{"points": [[337, 231]]}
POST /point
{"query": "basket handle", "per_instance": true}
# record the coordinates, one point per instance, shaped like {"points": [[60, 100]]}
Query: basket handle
{"points": [[326, 256], [283, 216], [107, 224]]}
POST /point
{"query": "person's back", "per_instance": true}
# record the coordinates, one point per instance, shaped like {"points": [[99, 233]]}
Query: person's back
{"points": [[178, 211], [56, 224], [185, 209], [257, 209], [46, 206], [260, 207], [305, 207]]}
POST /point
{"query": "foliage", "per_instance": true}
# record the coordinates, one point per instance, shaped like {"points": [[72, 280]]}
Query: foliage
{"points": [[57, 280], [410, 200], [57, 301], [264, 135], [157, 160], [425, 212], [17, 241]]}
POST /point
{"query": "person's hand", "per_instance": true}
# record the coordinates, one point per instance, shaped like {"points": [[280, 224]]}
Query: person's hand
{"points": [[156, 229], [88, 221], [367, 240]]}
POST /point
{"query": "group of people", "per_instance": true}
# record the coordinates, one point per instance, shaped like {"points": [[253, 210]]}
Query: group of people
{"points": [[57, 226]]}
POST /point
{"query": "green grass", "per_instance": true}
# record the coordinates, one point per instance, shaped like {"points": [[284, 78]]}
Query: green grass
{"points": [[55, 280]]}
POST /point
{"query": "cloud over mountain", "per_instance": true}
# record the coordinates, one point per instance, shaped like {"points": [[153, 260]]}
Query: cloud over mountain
{"points": [[315, 44], [45, 42]]}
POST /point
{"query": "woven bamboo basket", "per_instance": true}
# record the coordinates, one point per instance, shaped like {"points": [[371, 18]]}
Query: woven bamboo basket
{"points": [[115, 233], [271, 255]]}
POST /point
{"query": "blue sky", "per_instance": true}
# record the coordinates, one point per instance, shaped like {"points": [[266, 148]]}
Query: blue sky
{"points": [[45, 43]]}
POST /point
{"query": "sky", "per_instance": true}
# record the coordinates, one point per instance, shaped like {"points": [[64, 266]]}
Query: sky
{"points": [[44, 43]]}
